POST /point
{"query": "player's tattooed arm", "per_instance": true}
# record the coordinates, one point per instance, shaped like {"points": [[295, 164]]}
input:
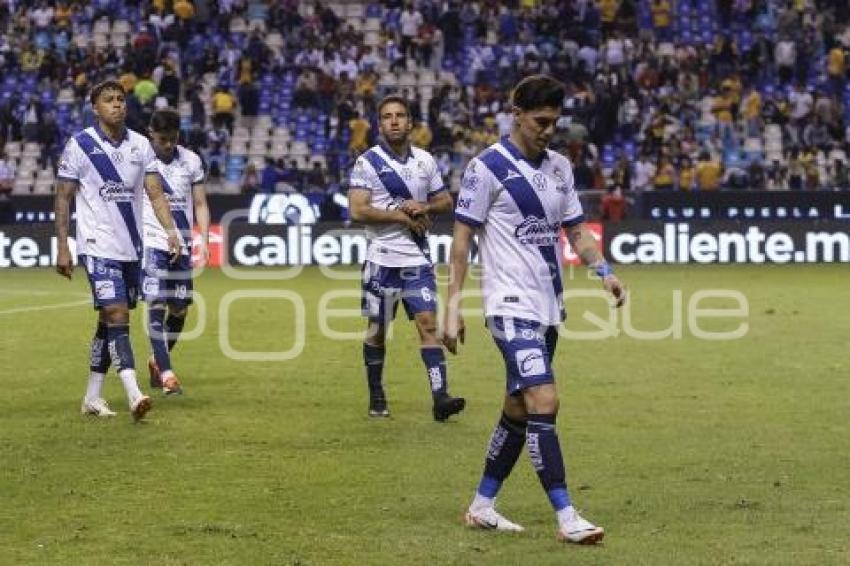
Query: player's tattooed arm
{"points": [[162, 210], [584, 246], [65, 190]]}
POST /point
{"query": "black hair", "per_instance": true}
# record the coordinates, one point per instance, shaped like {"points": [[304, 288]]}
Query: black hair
{"points": [[538, 91], [398, 99], [100, 87], [165, 120]]}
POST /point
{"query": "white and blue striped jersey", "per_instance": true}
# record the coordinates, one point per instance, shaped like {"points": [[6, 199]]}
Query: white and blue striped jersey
{"points": [[109, 197], [391, 180], [178, 176], [519, 208]]}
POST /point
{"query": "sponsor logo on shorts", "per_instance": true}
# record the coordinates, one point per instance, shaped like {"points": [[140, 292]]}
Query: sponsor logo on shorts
{"points": [[530, 362], [150, 286], [104, 290]]}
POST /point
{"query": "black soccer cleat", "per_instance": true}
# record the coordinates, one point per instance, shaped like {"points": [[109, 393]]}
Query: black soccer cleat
{"points": [[446, 406], [378, 407]]}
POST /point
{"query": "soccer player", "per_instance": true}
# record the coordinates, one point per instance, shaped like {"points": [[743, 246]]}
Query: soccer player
{"points": [[167, 285], [107, 166], [394, 190], [517, 195]]}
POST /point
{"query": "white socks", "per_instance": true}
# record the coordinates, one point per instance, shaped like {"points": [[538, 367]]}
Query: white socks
{"points": [[128, 378], [95, 385], [480, 501], [566, 514]]}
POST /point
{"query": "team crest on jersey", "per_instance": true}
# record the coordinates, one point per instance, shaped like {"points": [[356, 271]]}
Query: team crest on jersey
{"points": [[470, 183], [539, 181]]}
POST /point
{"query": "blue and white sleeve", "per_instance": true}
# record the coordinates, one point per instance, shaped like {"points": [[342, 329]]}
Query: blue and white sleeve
{"points": [[363, 175], [69, 164], [477, 193]]}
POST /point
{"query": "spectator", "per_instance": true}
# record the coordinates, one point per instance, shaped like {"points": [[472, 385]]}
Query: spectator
{"points": [[250, 182], [223, 106], [359, 135], [249, 102], [316, 179], [145, 90], [49, 140], [665, 174], [687, 174], [7, 175], [420, 135], [270, 175], [708, 172], [613, 204], [169, 85]]}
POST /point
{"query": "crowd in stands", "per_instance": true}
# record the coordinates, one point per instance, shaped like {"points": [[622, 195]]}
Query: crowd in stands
{"points": [[281, 95]]}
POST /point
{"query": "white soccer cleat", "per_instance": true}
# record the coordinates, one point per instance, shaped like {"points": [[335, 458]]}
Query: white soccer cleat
{"points": [[578, 530], [140, 407], [97, 407], [489, 518]]}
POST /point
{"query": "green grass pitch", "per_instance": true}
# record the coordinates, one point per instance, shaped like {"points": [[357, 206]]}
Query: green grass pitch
{"points": [[688, 451]]}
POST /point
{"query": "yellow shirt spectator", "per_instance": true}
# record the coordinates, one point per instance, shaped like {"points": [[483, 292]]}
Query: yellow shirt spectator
{"points": [[246, 73], [734, 86], [708, 175], [835, 62], [722, 107], [366, 84], [359, 135], [687, 174], [608, 10], [184, 10], [420, 135], [223, 102], [661, 13], [665, 175], [128, 80], [752, 105]]}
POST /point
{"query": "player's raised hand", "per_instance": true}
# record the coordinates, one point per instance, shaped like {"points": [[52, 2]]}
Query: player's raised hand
{"points": [[455, 331], [617, 289], [64, 266]]}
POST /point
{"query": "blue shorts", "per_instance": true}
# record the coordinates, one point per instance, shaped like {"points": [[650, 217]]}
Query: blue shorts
{"points": [[112, 282], [166, 282], [383, 287], [528, 349]]}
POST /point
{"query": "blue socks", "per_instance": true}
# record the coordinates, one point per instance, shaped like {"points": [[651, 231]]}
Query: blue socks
{"points": [[119, 346], [503, 450], [159, 338], [174, 326], [99, 357], [545, 452], [373, 357], [435, 361]]}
